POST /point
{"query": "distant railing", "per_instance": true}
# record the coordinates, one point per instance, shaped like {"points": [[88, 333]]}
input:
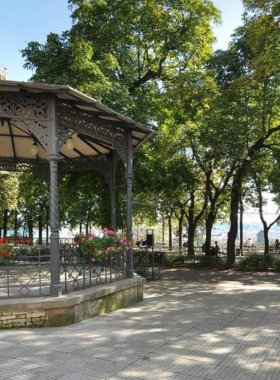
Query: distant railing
{"points": [[16, 241], [25, 271]]}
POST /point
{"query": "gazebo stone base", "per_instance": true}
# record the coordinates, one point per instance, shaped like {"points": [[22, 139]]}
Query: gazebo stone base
{"points": [[71, 307]]}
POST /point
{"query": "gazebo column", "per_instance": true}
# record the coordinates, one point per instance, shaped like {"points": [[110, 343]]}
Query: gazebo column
{"points": [[113, 188], [53, 157], [129, 178]]}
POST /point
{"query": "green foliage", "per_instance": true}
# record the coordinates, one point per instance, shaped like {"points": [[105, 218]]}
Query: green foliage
{"points": [[125, 52], [258, 262], [84, 199], [31, 253], [4, 261], [33, 200], [208, 262], [9, 190]]}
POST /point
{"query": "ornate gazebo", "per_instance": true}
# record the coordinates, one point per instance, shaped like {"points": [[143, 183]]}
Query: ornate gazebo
{"points": [[53, 130]]}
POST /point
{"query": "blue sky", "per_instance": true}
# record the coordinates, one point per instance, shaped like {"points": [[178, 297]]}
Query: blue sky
{"points": [[23, 21], [232, 11]]}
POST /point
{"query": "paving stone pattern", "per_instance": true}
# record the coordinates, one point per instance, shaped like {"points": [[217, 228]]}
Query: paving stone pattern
{"points": [[192, 325]]}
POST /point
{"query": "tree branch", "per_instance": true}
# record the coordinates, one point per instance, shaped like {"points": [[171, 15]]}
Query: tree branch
{"points": [[150, 74]]}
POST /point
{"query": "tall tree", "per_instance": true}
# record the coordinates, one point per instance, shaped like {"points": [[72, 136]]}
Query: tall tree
{"points": [[126, 52], [256, 97]]}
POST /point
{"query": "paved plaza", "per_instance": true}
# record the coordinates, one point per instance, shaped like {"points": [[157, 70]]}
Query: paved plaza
{"points": [[192, 325]]}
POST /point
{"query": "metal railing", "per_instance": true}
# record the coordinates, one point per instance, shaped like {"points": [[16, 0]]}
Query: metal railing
{"points": [[25, 271]]}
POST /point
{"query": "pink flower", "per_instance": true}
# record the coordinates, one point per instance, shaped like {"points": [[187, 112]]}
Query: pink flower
{"points": [[93, 260], [112, 257], [110, 232], [99, 252]]}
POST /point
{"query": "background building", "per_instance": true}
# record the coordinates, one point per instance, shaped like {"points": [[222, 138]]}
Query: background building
{"points": [[3, 72]]}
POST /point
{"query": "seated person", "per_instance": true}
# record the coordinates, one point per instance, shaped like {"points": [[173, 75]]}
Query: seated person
{"points": [[144, 243], [216, 248], [213, 251]]}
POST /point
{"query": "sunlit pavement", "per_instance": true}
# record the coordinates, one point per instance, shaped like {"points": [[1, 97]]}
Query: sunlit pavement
{"points": [[192, 325]]}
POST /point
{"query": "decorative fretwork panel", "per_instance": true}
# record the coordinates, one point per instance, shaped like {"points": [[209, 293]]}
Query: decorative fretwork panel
{"points": [[101, 129], [6, 106], [75, 120], [31, 107], [122, 153], [23, 165], [31, 111], [38, 129], [67, 122], [42, 168], [99, 163]]}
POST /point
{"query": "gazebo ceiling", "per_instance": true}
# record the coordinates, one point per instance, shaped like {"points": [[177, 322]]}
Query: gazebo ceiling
{"points": [[16, 142], [16, 139]]}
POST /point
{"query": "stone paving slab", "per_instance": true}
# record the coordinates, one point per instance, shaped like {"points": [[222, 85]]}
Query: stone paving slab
{"points": [[192, 325]]}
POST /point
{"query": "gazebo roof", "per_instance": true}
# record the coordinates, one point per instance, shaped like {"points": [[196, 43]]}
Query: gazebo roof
{"points": [[78, 114]]}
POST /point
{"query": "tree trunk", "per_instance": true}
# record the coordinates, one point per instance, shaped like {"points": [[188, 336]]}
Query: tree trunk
{"points": [[191, 232], [180, 220], [16, 224], [30, 228], [163, 228], [266, 228], [209, 226], [5, 223], [266, 241], [192, 226], [47, 233], [235, 196], [241, 227], [170, 232], [193, 221], [40, 227]]}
